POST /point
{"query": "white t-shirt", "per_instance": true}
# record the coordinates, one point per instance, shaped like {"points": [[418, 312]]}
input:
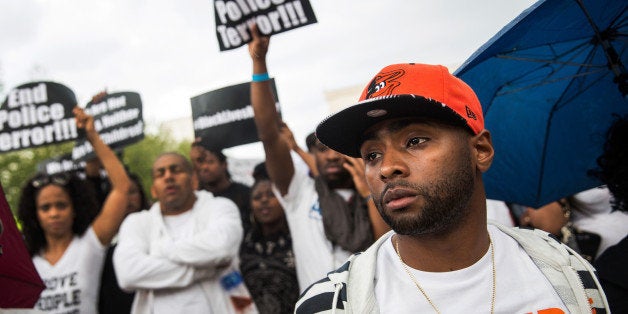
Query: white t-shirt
{"points": [[593, 213], [521, 287], [190, 299], [498, 211], [314, 255], [72, 283]]}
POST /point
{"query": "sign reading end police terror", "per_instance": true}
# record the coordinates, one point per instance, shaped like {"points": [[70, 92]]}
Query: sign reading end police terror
{"points": [[37, 114], [223, 118], [234, 17], [118, 120]]}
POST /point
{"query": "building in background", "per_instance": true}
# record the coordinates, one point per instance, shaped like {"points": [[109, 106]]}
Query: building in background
{"points": [[341, 98]]}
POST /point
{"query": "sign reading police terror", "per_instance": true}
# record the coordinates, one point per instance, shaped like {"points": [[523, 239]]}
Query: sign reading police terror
{"points": [[37, 114], [118, 119], [223, 118], [234, 17]]}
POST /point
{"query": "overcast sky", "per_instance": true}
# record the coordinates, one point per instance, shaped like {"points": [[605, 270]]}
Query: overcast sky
{"points": [[167, 50]]}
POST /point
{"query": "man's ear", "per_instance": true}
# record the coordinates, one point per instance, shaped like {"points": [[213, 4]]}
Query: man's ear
{"points": [[483, 148], [153, 192]]}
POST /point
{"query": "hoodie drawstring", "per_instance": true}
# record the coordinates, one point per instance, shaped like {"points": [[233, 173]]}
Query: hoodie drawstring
{"points": [[338, 287]]}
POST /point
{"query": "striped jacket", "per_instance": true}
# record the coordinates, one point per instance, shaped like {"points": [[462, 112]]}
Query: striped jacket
{"points": [[350, 288]]}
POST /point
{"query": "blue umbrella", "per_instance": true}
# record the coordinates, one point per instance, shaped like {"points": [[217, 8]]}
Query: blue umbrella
{"points": [[550, 82]]}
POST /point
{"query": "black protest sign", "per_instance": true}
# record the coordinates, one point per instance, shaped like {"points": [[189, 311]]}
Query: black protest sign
{"points": [[272, 17], [118, 119], [223, 118], [60, 164], [37, 114]]}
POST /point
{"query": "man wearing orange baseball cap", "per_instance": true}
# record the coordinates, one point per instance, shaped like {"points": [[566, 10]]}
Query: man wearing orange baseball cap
{"points": [[420, 131]]}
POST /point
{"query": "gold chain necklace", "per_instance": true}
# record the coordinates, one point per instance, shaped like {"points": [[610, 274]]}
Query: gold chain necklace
{"points": [[405, 267]]}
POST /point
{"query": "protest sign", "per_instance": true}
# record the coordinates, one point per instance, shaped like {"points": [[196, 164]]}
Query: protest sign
{"points": [[271, 16], [60, 164], [37, 114], [223, 118], [118, 119]]}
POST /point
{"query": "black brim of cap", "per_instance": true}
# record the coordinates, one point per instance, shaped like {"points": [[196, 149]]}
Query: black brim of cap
{"points": [[343, 131]]}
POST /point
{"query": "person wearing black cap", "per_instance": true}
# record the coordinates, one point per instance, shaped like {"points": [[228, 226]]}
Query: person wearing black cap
{"points": [[420, 132], [339, 190]]}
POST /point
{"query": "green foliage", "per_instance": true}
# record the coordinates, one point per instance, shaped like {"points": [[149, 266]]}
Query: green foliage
{"points": [[17, 167]]}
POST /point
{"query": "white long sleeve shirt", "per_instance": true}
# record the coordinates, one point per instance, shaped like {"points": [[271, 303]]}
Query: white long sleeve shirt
{"points": [[150, 261]]}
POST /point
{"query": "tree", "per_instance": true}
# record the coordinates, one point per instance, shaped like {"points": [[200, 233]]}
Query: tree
{"points": [[17, 167]]}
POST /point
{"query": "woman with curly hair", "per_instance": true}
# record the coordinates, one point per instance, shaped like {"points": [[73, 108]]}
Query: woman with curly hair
{"points": [[66, 234]]}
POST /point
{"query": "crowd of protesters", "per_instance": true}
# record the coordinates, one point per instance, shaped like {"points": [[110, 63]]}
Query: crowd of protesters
{"points": [[293, 241]]}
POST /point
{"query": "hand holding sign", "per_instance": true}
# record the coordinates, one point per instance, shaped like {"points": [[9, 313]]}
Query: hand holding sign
{"points": [[258, 47], [99, 97], [118, 119], [84, 121], [233, 18]]}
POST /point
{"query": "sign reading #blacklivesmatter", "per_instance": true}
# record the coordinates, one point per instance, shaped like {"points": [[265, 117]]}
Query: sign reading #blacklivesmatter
{"points": [[60, 164], [118, 119], [223, 118], [37, 114], [271, 16]]}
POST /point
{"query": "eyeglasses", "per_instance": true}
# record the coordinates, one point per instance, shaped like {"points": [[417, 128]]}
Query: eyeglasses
{"points": [[59, 179]]}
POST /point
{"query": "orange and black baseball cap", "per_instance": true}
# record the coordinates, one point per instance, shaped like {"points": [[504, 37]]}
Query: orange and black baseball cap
{"points": [[403, 91]]}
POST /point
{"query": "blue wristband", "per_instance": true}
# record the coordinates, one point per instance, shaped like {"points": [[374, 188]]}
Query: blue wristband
{"points": [[261, 77]]}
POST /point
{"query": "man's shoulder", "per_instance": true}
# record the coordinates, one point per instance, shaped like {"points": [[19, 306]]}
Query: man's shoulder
{"points": [[137, 221], [237, 192], [207, 199], [538, 244], [140, 215], [572, 277], [239, 187], [320, 296], [301, 185], [331, 292]]}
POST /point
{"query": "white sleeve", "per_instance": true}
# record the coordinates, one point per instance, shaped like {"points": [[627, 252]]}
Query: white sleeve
{"points": [[136, 269], [216, 244], [301, 181]]}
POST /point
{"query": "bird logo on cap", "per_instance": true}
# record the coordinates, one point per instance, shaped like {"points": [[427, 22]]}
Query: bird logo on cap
{"points": [[384, 83]]}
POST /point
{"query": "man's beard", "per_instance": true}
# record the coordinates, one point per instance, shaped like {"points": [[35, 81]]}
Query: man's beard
{"points": [[445, 203], [208, 183], [339, 180]]}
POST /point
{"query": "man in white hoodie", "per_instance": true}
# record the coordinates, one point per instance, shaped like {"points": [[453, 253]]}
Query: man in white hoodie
{"points": [[174, 254]]}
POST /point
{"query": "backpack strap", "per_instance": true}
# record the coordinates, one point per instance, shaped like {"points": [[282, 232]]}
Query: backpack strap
{"points": [[327, 294], [572, 277]]}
